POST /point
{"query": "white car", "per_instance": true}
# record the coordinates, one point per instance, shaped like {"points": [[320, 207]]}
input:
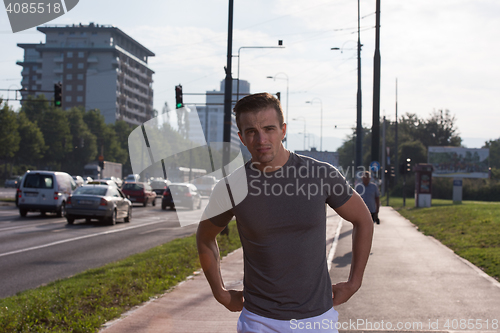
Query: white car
{"points": [[45, 191]]}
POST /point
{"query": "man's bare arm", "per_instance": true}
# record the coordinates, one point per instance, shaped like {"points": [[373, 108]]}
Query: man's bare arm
{"points": [[208, 251], [356, 212]]}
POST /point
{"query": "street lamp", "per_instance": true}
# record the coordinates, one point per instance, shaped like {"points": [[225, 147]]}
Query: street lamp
{"points": [[280, 43], [359, 127], [303, 119], [321, 130], [285, 78]]}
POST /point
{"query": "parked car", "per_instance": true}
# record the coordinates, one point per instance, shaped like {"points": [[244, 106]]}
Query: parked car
{"points": [[139, 193], [78, 180], [159, 185], [105, 203], [181, 195], [45, 191], [86, 180], [12, 181], [134, 178], [103, 182], [205, 184]]}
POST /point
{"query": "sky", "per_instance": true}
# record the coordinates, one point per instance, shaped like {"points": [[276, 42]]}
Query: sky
{"points": [[444, 55]]}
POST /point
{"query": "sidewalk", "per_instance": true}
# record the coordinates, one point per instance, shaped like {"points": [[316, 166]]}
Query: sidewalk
{"points": [[409, 278]]}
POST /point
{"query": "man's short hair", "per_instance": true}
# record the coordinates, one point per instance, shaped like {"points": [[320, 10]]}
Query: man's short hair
{"points": [[367, 174], [256, 103]]}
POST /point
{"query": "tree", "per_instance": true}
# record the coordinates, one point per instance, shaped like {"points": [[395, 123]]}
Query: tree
{"points": [[84, 146], [56, 132], [32, 144], [9, 138], [35, 107]]}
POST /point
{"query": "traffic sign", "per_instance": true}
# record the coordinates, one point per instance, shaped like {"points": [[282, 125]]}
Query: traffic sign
{"points": [[101, 158], [375, 166]]}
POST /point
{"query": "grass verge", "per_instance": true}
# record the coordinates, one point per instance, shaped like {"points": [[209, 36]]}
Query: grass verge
{"points": [[84, 302], [470, 229]]}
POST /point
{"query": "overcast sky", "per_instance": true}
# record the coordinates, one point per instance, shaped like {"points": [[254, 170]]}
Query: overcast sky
{"points": [[444, 54]]}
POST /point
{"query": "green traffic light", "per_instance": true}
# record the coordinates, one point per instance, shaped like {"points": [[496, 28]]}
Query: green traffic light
{"points": [[179, 105], [58, 103]]}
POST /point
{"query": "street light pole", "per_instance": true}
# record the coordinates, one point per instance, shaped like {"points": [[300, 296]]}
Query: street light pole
{"points": [[280, 43], [321, 128], [304, 119], [286, 117], [359, 135]]}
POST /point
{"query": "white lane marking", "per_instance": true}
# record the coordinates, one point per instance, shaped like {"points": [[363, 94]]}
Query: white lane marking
{"points": [[334, 245], [78, 238]]}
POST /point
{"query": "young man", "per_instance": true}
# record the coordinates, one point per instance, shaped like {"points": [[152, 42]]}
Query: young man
{"points": [[282, 227], [370, 194]]}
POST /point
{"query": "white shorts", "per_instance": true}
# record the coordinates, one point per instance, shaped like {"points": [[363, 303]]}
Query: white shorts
{"points": [[249, 322]]}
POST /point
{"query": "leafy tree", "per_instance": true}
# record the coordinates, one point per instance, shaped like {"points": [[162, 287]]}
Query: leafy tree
{"points": [[58, 139], [84, 147], [35, 107], [9, 138], [32, 145]]}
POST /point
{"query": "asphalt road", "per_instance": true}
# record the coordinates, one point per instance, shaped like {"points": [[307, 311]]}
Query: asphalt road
{"points": [[39, 249]]}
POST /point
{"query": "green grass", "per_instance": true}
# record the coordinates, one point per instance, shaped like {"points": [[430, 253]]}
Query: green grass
{"points": [[470, 229], [84, 302]]}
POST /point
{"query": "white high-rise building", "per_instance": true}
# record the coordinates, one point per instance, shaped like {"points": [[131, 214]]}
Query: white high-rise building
{"points": [[100, 67]]}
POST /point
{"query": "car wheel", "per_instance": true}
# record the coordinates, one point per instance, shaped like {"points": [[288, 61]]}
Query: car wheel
{"points": [[128, 218], [23, 212], [112, 218], [62, 210], [163, 207], [70, 219], [145, 202], [191, 206], [154, 202]]}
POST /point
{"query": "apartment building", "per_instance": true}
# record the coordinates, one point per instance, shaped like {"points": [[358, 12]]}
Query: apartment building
{"points": [[100, 67]]}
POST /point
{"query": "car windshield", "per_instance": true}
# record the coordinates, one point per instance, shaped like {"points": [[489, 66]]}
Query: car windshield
{"points": [[38, 181], [91, 190], [133, 187]]}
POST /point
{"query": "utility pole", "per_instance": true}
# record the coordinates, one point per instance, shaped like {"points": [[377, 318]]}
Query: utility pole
{"points": [[228, 91], [396, 162], [376, 88], [359, 134]]}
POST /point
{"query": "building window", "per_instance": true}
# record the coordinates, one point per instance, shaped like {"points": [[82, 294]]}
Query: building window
{"points": [[61, 33], [94, 33], [79, 98], [69, 87], [81, 54], [72, 33], [33, 87], [79, 87], [69, 55], [79, 76], [34, 78], [69, 65], [35, 67], [80, 65], [68, 99], [69, 76]]}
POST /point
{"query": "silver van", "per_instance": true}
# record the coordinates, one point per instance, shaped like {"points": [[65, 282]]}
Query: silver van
{"points": [[45, 191]]}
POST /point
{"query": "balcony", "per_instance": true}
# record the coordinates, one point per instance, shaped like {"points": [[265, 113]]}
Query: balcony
{"points": [[58, 70], [59, 59], [92, 60]]}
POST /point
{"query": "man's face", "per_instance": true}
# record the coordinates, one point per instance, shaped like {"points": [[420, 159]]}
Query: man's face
{"points": [[262, 135], [366, 180]]}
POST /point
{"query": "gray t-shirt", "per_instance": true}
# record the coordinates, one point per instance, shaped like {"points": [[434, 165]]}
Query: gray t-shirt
{"points": [[369, 193], [282, 227]]}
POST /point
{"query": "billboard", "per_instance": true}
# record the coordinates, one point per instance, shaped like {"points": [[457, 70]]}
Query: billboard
{"points": [[459, 162]]}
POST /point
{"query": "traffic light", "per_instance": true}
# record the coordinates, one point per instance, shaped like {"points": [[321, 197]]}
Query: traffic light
{"points": [[101, 165], [408, 165], [393, 171], [178, 97], [58, 94]]}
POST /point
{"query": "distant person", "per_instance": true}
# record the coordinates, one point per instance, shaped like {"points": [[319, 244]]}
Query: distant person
{"points": [[370, 194], [282, 228]]}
